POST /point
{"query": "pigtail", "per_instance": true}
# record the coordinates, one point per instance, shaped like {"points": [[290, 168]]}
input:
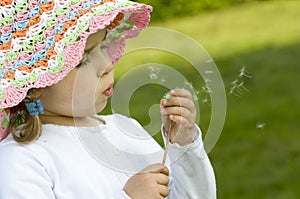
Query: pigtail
{"points": [[24, 127]]}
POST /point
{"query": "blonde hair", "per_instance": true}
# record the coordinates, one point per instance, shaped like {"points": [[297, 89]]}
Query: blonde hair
{"points": [[24, 127]]}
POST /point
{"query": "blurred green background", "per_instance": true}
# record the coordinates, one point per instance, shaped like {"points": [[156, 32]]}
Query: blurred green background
{"points": [[257, 154]]}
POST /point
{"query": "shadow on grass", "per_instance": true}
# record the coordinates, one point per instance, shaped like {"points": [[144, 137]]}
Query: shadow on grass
{"points": [[261, 161]]}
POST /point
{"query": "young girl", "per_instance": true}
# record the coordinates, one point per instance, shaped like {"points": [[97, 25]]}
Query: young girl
{"points": [[57, 67]]}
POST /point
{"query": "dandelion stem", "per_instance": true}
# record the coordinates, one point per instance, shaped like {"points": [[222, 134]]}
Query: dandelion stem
{"points": [[167, 143]]}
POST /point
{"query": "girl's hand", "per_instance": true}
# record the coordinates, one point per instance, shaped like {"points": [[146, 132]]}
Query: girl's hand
{"points": [[150, 183], [179, 111]]}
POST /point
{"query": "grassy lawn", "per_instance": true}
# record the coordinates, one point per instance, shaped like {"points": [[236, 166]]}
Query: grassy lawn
{"points": [[250, 161]]}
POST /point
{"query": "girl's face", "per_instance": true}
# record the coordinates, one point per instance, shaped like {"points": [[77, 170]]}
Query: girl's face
{"points": [[85, 90]]}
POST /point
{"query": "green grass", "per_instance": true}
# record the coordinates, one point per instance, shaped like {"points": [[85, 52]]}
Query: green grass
{"points": [[265, 37]]}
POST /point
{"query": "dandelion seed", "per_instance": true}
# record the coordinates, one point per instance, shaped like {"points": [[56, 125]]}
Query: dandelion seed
{"points": [[241, 85], [236, 92], [244, 73], [195, 97], [154, 72], [232, 89], [237, 88], [189, 85], [209, 61], [167, 96], [197, 92], [207, 80], [153, 76], [206, 89], [209, 72], [260, 125], [205, 101], [239, 91], [235, 82]]}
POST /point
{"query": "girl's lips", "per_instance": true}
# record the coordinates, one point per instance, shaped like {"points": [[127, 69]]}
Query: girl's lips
{"points": [[108, 92]]}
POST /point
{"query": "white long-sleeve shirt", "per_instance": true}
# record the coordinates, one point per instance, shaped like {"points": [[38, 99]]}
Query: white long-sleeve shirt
{"points": [[68, 162]]}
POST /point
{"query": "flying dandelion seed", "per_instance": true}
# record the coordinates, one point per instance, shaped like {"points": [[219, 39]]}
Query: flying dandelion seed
{"points": [[238, 90], [205, 101], [234, 88], [197, 93], [232, 91], [189, 85], [209, 72], [237, 87], [206, 89], [244, 73], [204, 93], [242, 87], [260, 125], [154, 72], [209, 61], [167, 95], [207, 79]]}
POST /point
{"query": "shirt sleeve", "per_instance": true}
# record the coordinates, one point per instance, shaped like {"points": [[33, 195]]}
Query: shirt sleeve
{"points": [[22, 175], [191, 175]]}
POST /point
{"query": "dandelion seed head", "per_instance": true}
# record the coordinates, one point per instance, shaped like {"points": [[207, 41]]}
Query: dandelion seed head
{"points": [[167, 95]]}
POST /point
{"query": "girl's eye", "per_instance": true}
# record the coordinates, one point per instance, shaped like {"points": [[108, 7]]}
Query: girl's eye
{"points": [[85, 61]]}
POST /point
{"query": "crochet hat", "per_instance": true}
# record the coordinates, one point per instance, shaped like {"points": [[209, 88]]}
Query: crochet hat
{"points": [[41, 41]]}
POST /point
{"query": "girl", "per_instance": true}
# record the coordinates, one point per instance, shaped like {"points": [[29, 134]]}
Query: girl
{"points": [[57, 67]]}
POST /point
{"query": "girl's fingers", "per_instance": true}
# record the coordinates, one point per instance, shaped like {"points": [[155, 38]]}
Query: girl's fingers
{"points": [[180, 120], [179, 108], [162, 179], [163, 190], [179, 102], [177, 111], [181, 93]]}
